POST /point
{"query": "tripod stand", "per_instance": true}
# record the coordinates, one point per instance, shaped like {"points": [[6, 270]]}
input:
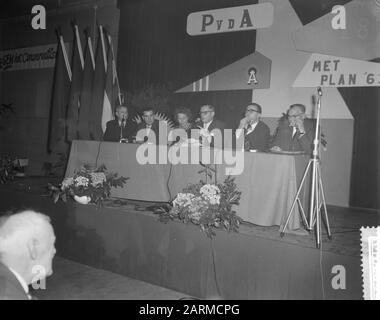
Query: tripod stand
{"points": [[317, 196]]}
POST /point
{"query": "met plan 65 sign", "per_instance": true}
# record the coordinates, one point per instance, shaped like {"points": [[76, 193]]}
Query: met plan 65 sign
{"points": [[230, 19]]}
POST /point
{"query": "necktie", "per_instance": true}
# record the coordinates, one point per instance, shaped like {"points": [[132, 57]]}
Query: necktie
{"points": [[248, 129], [148, 129]]}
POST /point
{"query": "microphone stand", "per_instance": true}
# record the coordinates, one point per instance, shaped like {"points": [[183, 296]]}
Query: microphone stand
{"points": [[317, 196], [121, 130]]}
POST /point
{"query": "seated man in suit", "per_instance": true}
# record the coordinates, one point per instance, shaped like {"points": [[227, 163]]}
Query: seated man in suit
{"points": [[26, 253], [120, 129], [256, 132], [295, 132], [150, 126], [207, 124]]}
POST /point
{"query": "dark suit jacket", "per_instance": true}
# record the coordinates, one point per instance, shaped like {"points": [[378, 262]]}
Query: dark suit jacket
{"points": [[215, 124], [113, 131], [10, 287], [188, 131], [259, 138], [154, 128], [283, 137]]}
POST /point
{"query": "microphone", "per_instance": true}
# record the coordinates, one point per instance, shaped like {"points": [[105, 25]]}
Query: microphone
{"points": [[145, 139], [121, 128], [319, 90]]}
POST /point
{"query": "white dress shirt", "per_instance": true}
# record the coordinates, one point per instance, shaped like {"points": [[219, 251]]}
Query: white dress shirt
{"points": [[206, 125], [240, 131], [295, 131], [253, 126], [148, 129]]}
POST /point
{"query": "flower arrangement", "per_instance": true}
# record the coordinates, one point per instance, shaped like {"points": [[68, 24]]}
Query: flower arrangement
{"points": [[208, 205], [93, 183]]}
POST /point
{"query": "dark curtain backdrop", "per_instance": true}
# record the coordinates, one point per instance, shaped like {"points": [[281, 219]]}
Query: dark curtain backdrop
{"points": [[364, 104], [154, 48]]}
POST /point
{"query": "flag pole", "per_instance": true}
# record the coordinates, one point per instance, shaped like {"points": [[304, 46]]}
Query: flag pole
{"points": [[79, 45], [90, 47], [114, 70], [103, 48], [66, 59]]}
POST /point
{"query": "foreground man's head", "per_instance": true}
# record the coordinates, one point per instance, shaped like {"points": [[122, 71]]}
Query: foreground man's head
{"points": [[27, 244]]}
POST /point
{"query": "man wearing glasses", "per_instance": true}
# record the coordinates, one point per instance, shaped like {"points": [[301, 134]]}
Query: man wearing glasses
{"points": [[295, 132], [256, 132], [207, 124]]}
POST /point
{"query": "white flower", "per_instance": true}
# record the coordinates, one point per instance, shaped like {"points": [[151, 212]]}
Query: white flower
{"points": [[98, 178], [211, 193], [196, 215], [183, 199], [66, 183], [197, 207], [209, 189], [215, 199], [81, 181]]}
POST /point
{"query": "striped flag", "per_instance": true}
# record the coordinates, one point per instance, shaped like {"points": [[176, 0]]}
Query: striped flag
{"points": [[61, 85], [202, 84], [98, 87], [77, 65], [86, 92], [110, 92]]}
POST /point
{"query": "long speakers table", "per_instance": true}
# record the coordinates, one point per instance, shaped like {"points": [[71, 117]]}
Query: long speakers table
{"points": [[268, 182]]}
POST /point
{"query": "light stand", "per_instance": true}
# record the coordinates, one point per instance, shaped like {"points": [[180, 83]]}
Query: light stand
{"points": [[317, 196]]}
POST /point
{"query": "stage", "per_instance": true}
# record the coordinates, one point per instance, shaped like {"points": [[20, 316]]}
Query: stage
{"points": [[268, 181], [125, 238]]}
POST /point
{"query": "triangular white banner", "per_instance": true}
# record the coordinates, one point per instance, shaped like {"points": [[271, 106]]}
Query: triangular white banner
{"points": [[331, 71]]}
